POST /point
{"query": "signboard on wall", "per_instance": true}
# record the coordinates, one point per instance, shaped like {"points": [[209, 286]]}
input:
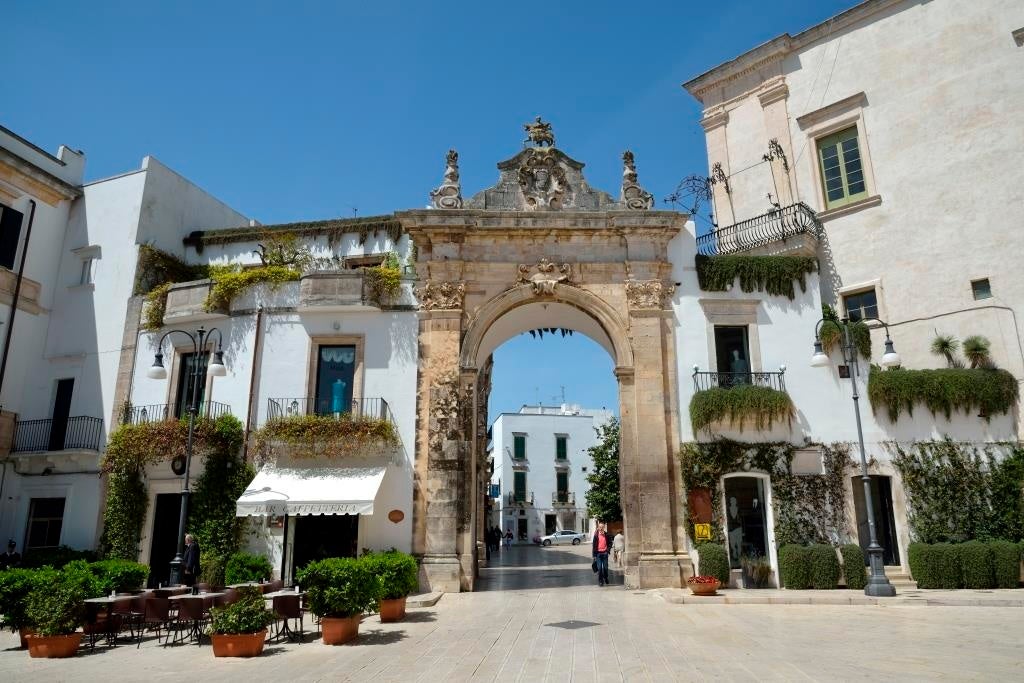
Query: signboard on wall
{"points": [[702, 532]]}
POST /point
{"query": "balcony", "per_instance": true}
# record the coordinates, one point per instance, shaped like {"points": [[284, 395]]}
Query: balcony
{"points": [[792, 230], [346, 289], [159, 412], [73, 433], [703, 381], [357, 408], [186, 303], [563, 499], [519, 500]]}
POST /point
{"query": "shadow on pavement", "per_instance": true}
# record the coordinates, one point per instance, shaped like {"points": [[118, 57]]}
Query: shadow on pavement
{"points": [[524, 567]]}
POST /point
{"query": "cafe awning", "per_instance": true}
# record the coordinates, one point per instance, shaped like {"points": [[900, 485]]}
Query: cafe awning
{"points": [[311, 491]]}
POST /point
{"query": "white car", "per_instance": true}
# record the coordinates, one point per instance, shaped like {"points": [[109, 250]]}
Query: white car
{"points": [[563, 537]]}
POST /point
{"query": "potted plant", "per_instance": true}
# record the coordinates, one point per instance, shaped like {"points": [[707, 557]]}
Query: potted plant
{"points": [[339, 590], [757, 571], [703, 585], [240, 629], [397, 576], [55, 609], [15, 586]]}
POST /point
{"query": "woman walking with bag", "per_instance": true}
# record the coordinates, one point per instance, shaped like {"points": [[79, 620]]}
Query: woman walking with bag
{"points": [[601, 546]]}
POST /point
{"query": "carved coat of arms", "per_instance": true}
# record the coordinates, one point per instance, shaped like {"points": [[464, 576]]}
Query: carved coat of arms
{"points": [[548, 276], [542, 180]]}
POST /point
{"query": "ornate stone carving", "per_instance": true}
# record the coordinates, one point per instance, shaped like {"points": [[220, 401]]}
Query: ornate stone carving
{"points": [[633, 196], [445, 415], [449, 195], [548, 276], [440, 296], [539, 133], [648, 294], [542, 180]]}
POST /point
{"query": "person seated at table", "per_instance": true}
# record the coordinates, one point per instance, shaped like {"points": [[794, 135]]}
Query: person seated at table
{"points": [[191, 561]]}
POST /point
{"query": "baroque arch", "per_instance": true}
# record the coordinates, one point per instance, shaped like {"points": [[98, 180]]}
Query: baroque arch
{"points": [[543, 242]]}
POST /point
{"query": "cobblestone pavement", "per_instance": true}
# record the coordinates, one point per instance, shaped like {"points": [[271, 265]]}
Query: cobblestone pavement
{"points": [[537, 632]]}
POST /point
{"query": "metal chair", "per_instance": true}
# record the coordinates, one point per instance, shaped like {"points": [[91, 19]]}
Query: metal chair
{"points": [[191, 618], [288, 607], [155, 615], [275, 585], [123, 610], [229, 597]]}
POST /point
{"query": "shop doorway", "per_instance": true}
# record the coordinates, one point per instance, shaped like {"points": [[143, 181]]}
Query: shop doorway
{"points": [[746, 519], [321, 536], [885, 518], [166, 514], [550, 524]]}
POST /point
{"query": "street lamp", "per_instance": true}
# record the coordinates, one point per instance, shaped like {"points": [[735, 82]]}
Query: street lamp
{"points": [[878, 584], [215, 369]]}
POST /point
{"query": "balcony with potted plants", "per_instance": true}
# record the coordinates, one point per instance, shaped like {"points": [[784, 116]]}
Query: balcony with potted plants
{"points": [[739, 400]]}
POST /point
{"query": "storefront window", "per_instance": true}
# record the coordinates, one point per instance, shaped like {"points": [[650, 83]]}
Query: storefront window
{"points": [[745, 519], [334, 379]]}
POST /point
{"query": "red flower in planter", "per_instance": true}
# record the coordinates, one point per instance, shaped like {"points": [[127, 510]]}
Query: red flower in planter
{"points": [[702, 579]]}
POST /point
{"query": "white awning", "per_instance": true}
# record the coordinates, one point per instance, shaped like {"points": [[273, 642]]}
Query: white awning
{"points": [[311, 491]]}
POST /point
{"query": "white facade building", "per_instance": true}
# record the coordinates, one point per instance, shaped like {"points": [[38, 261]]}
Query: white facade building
{"points": [[541, 462]]}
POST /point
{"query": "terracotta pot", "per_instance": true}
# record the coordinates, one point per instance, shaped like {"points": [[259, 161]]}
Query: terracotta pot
{"points": [[238, 644], [53, 646], [22, 633], [704, 588], [338, 630], [392, 610]]}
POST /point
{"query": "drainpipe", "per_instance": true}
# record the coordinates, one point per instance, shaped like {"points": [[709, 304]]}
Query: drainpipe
{"points": [[17, 293], [250, 417]]}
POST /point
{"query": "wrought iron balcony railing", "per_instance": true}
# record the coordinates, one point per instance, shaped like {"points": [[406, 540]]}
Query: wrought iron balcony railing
{"points": [[775, 226], [563, 498], [728, 380], [159, 412], [357, 408], [522, 498], [79, 433]]}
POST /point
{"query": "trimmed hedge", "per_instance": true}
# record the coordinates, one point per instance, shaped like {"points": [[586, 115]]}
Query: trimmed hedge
{"points": [[853, 566], [976, 569], [119, 575], [397, 573], [824, 566], [242, 567], [795, 567], [1005, 564], [713, 562], [55, 557]]}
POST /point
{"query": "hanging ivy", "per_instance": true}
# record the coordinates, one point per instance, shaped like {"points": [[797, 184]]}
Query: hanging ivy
{"points": [[230, 281], [981, 391], [323, 436], [807, 508], [831, 333], [384, 282], [127, 502], [957, 491], [156, 267], [772, 274], [738, 405]]}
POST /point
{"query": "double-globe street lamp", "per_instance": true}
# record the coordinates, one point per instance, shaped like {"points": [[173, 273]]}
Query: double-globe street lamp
{"points": [[878, 584], [215, 369]]}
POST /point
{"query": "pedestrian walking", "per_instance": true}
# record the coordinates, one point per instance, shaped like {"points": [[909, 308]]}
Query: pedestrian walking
{"points": [[508, 538], [618, 546], [602, 544]]}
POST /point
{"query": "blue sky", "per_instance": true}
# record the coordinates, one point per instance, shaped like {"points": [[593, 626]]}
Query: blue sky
{"points": [[305, 110]]}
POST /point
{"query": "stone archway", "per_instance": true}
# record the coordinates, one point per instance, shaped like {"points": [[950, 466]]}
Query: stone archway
{"points": [[602, 264]]}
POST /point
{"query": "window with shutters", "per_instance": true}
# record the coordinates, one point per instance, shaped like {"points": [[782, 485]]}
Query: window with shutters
{"points": [[519, 441], [561, 447], [10, 232], [562, 485], [842, 170], [45, 519], [519, 486]]}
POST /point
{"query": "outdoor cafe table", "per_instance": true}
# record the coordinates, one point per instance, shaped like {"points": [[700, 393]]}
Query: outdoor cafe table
{"points": [[106, 602], [282, 593], [207, 600]]}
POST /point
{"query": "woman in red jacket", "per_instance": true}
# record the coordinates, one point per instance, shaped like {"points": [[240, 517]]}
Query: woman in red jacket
{"points": [[601, 546]]}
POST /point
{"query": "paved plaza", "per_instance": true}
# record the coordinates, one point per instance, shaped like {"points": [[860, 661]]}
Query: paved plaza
{"points": [[540, 617]]}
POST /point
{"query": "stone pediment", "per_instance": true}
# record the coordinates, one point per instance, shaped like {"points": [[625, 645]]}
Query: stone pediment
{"points": [[541, 179]]}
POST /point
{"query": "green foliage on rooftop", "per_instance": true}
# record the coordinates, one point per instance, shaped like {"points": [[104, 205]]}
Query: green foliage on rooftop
{"points": [[774, 275]]}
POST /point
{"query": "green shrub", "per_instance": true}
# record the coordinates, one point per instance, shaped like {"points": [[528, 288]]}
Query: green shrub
{"points": [[976, 565], [1005, 564], [397, 573], [243, 567], [824, 566], [338, 587], [248, 615], [795, 567], [738, 405], [853, 566], [119, 575], [56, 607], [945, 566], [55, 557], [945, 391], [918, 556], [15, 586], [713, 562], [772, 274]]}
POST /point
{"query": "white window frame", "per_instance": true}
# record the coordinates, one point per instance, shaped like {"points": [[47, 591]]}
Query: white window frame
{"points": [[86, 273], [859, 288]]}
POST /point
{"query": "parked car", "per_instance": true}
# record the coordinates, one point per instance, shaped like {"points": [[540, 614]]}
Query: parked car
{"points": [[562, 537]]}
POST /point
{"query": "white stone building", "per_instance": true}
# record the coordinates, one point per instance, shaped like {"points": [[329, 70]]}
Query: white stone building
{"points": [[541, 461]]}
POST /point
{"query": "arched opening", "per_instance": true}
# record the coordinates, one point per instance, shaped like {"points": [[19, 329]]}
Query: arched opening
{"points": [[551, 395]]}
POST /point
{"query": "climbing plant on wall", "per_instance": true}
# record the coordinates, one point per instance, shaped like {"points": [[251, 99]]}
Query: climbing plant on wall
{"points": [[774, 275], [946, 390]]}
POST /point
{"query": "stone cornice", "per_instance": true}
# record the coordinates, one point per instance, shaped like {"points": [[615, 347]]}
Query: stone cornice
{"points": [[832, 110], [33, 180], [714, 119], [459, 220], [773, 92]]}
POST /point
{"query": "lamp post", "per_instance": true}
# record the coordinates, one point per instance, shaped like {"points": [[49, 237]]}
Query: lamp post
{"points": [[215, 369], [878, 584]]}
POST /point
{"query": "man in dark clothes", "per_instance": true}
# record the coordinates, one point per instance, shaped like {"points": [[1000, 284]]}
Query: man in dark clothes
{"points": [[12, 558], [191, 564]]}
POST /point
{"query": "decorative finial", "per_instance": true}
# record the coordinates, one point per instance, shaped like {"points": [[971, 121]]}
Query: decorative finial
{"points": [[449, 195], [539, 133], [633, 196]]}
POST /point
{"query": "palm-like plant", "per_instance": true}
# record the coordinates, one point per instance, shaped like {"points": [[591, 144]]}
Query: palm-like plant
{"points": [[946, 345], [977, 351]]}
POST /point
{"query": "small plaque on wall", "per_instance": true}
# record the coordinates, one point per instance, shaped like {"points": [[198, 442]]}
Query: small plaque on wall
{"points": [[844, 371], [396, 516], [702, 532], [275, 521]]}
